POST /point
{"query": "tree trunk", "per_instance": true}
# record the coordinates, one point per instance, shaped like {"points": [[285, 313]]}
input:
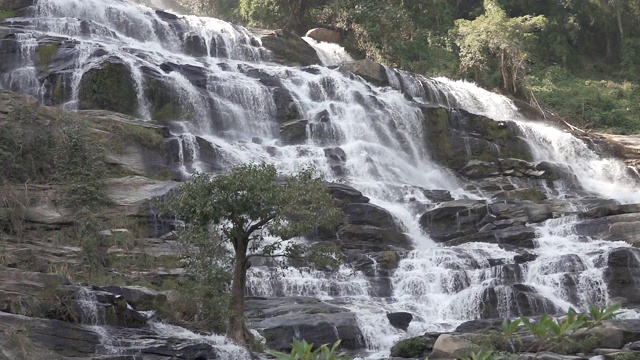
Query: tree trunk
{"points": [[238, 285]]}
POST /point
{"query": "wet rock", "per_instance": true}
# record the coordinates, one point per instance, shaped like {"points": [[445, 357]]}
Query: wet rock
{"points": [[457, 138], [400, 319], [623, 268], [139, 297], [520, 300], [287, 48], [370, 214], [195, 45], [326, 35], [294, 132], [387, 259], [110, 87], [372, 238], [622, 227], [529, 194], [346, 194], [280, 320], [335, 154], [453, 219]]}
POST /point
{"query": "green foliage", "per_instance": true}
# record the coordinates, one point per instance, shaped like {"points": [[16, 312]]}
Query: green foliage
{"points": [[294, 15], [5, 14], [411, 348], [243, 207], [627, 356], [46, 54], [496, 36], [301, 350], [589, 100], [41, 150], [110, 87], [553, 334]]}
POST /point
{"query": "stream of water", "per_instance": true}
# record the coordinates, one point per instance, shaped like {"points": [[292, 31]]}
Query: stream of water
{"points": [[381, 135]]}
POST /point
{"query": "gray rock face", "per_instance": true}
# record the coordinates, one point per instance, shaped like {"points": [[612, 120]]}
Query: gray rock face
{"points": [[294, 132], [368, 69], [621, 275], [280, 320], [288, 48], [453, 219]]}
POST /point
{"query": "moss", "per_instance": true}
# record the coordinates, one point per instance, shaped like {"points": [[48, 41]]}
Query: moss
{"points": [[148, 137], [46, 54], [165, 106], [109, 88], [438, 133], [59, 93], [5, 14]]}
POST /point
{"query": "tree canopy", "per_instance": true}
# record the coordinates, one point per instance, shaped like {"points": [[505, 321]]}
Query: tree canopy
{"points": [[255, 211]]}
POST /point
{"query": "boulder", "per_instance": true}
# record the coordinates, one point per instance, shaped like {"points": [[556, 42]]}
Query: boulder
{"points": [[621, 274], [368, 70], [195, 45], [370, 214], [415, 347], [110, 87], [326, 35], [287, 48], [280, 320], [453, 219], [346, 194], [450, 346], [400, 319], [294, 132]]}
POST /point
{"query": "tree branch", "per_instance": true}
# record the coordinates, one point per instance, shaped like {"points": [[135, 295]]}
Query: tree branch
{"points": [[259, 224]]}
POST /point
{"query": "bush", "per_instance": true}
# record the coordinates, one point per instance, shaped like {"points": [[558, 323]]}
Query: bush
{"points": [[301, 350], [411, 348], [39, 149]]}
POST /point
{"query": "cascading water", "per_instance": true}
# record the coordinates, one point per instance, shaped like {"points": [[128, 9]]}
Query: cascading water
{"points": [[369, 137]]}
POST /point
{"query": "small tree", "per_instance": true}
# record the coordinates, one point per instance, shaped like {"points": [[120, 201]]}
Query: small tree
{"points": [[243, 207], [495, 35]]}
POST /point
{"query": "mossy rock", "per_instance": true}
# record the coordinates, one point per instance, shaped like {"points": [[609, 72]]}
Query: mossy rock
{"points": [[165, 106], [110, 87], [5, 14], [416, 347], [46, 54], [289, 49]]}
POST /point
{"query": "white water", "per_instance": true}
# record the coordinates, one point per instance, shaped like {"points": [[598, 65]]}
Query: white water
{"points": [[382, 137], [329, 53]]}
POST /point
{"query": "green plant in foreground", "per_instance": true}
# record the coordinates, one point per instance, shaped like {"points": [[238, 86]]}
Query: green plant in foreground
{"points": [[550, 334], [301, 350]]}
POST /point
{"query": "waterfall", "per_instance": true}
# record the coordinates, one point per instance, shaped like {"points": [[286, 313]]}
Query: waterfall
{"points": [[92, 314], [232, 103], [330, 54]]}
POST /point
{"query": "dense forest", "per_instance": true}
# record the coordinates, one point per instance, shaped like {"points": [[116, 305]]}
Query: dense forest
{"points": [[578, 57]]}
